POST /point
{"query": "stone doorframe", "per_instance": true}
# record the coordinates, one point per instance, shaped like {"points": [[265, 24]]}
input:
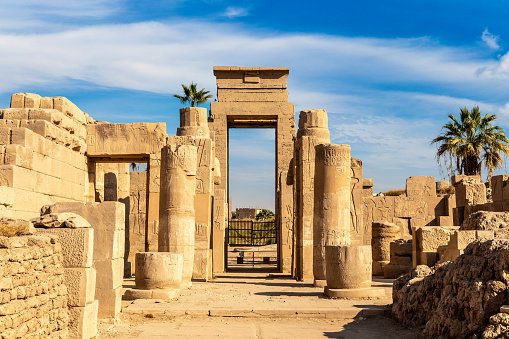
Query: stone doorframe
{"points": [[254, 97]]}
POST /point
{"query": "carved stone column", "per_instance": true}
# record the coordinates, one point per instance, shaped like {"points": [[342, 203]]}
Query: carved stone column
{"points": [[313, 130], [331, 222], [176, 210]]}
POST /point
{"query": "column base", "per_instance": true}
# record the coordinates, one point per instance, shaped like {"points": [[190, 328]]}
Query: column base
{"points": [[355, 293], [132, 294], [320, 283]]}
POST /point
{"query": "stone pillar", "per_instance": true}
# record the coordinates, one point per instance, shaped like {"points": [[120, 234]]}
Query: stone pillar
{"points": [[331, 223], [348, 267], [193, 122], [158, 276], [383, 233], [313, 130], [176, 210]]}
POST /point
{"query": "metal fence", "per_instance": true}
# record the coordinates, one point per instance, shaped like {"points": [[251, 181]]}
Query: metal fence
{"points": [[252, 233]]}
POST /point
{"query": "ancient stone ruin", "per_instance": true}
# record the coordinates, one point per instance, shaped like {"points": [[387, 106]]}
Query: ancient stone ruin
{"points": [[75, 221]]}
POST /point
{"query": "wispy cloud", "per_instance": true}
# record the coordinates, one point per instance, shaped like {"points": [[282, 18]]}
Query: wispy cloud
{"points": [[490, 40], [235, 12]]}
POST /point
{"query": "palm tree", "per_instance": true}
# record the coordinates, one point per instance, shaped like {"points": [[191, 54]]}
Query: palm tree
{"points": [[193, 96], [472, 141]]}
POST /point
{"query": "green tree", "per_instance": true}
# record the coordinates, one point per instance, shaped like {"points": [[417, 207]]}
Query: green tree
{"points": [[192, 95], [470, 142], [264, 214]]}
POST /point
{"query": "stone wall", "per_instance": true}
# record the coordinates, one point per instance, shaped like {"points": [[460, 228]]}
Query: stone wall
{"points": [[33, 297], [42, 154], [139, 239]]}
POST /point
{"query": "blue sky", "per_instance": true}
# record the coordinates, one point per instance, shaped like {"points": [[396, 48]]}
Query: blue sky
{"points": [[387, 72]]}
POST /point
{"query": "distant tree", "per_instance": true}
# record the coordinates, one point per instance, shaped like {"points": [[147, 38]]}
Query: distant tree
{"points": [[264, 214], [470, 142], [192, 95], [134, 166]]}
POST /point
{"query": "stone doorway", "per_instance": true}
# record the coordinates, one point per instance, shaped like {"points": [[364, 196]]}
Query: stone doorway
{"points": [[254, 97], [251, 244]]}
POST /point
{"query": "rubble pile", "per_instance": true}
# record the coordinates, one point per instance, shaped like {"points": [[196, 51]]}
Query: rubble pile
{"points": [[456, 299]]}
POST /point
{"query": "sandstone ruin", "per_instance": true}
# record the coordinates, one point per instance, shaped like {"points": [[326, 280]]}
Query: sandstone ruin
{"points": [[97, 222]]}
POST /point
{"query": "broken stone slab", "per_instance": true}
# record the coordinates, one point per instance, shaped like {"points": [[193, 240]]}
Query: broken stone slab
{"points": [[58, 220], [15, 227]]}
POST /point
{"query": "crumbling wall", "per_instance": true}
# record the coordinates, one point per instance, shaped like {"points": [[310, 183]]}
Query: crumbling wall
{"points": [[33, 297], [458, 298], [42, 154]]}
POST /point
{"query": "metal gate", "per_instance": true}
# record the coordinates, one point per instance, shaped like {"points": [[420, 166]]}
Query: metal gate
{"points": [[252, 233]]}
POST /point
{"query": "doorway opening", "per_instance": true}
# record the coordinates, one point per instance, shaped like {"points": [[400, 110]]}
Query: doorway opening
{"points": [[251, 238]]}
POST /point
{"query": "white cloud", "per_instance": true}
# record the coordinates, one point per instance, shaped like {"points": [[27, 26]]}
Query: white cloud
{"points": [[490, 40], [235, 12]]}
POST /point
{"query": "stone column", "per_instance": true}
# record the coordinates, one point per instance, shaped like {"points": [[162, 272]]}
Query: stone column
{"points": [[331, 223], [193, 122], [176, 210], [158, 276], [384, 233], [313, 130]]}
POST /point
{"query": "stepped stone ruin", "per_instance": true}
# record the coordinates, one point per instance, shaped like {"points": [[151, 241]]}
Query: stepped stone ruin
{"points": [[75, 220]]}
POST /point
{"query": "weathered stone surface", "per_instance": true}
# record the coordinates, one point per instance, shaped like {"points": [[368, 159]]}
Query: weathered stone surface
{"points": [[77, 245], [420, 186], [68, 220], [484, 220], [80, 284], [470, 191], [383, 233], [15, 227], [158, 270], [393, 271], [348, 267], [458, 298], [331, 220], [177, 213], [83, 321]]}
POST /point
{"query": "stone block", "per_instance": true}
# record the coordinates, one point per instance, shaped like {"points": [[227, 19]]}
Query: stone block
{"points": [[460, 239], [77, 245], [32, 100], [445, 220], [83, 321], [18, 100], [401, 248], [500, 188], [80, 284], [110, 302], [110, 273], [429, 238], [470, 192], [427, 258], [392, 271], [15, 114], [378, 267], [401, 260], [420, 186]]}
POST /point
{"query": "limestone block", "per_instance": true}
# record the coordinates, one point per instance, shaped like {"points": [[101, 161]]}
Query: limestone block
{"points": [[15, 114], [470, 192], [5, 135], [110, 302], [500, 187], [18, 100], [80, 284], [460, 239], [158, 270], [313, 118], [401, 248], [427, 258], [83, 320], [46, 103], [442, 186], [132, 294], [378, 267], [32, 100], [366, 183], [110, 273], [446, 220], [430, 238], [348, 267], [65, 106], [193, 121], [401, 260], [77, 245], [392, 271], [456, 179], [420, 186], [107, 216]]}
